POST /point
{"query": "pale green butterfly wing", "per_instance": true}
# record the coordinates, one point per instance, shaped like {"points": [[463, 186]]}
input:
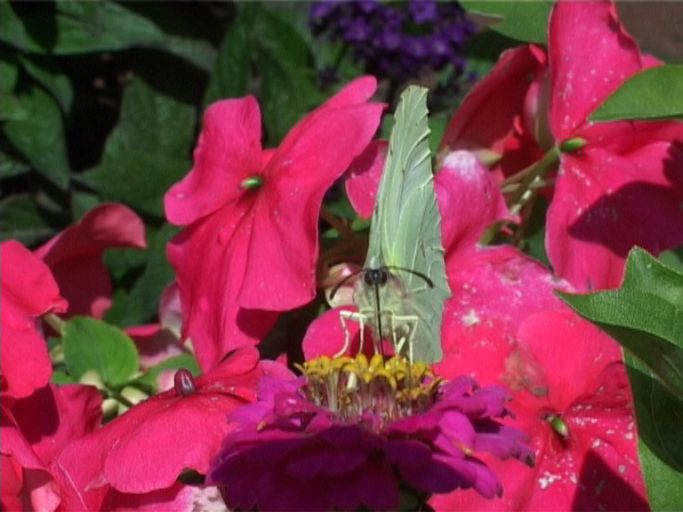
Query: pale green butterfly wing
{"points": [[406, 226]]}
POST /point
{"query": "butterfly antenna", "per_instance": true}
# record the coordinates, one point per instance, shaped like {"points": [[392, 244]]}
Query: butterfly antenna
{"points": [[425, 278], [378, 313], [342, 282]]}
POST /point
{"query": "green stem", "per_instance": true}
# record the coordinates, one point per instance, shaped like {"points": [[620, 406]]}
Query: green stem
{"points": [[530, 177], [55, 322]]}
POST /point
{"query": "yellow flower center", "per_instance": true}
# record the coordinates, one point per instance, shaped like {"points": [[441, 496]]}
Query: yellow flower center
{"points": [[373, 392]]}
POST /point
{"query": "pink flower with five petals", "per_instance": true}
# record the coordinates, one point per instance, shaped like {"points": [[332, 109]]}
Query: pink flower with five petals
{"points": [[624, 186], [251, 242]]}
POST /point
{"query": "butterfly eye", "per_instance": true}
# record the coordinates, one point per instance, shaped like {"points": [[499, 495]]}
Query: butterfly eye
{"points": [[383, 276]]}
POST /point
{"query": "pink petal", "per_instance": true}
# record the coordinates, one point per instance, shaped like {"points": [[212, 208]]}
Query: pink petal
{"points": [[28, 291], [469, 201], [325, 336], [147, 448], [363, 176], [283, 246], [590, 55], [56, 415], [602, 449], [155, 344], [170, 312], [74, 255], [228, 151], [490, 117], [564, 345], [177, 498], [212, 318], [258, 249], [493, 290], [604, 205]]}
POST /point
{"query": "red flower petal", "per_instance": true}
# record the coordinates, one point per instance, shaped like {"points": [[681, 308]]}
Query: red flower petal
{"points": [[490, 117], [28, 291], [212, 317], [601, 449], [590, 55], [280, 272], [469, 201], [228, 151], [74, 255], [258, 248], [148, 447], [604, 204], [493, 290], [363, 177]]}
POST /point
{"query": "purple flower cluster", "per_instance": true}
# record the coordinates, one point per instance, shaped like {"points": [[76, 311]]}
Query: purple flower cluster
{"points": [[396, 40], [289, 452]]}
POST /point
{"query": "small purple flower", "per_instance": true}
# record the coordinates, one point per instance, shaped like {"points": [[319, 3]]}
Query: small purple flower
{"points": [[352, 433], [395, 39], [423, 11]]}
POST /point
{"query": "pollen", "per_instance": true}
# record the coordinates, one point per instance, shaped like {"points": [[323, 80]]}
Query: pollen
{"points": [[374, 391]]}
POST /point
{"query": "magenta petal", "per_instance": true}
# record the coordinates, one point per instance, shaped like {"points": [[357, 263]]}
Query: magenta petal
{"points": [[603, 207], [55, 415], [363, 177], [75, 255], [325, 335], [228, 151], [469, 201], [212, 319], [590, 54], [283, 248], [491, 114], [493, 290], [28, 291]]}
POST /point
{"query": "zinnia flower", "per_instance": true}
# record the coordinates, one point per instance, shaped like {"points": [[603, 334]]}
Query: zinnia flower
{"points": [[354, 433]]}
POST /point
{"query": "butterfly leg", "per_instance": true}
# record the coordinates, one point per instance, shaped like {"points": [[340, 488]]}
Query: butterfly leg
{"points": [[357, 317], [407, 339]]}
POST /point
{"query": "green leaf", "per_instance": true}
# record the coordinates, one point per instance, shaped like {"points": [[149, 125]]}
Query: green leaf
{"points": [[659, 415], [143, 300], [90, 344], [40, 136], [46, 72], [85, 27], [230, 75], [10, 108], [288, 87], [9, 71], [10, 166], [148, 150], [524, 21], [646, 95], [21, 220], [645, 315]]}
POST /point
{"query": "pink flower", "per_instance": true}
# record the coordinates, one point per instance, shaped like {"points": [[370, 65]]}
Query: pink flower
{"points": [[28, 291], [571, 396], [496, 121], [251, 240], [147, 448], [350, 432], [503, 325], [34, 431], [75, 255], [502, 300], [624, 187]]}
